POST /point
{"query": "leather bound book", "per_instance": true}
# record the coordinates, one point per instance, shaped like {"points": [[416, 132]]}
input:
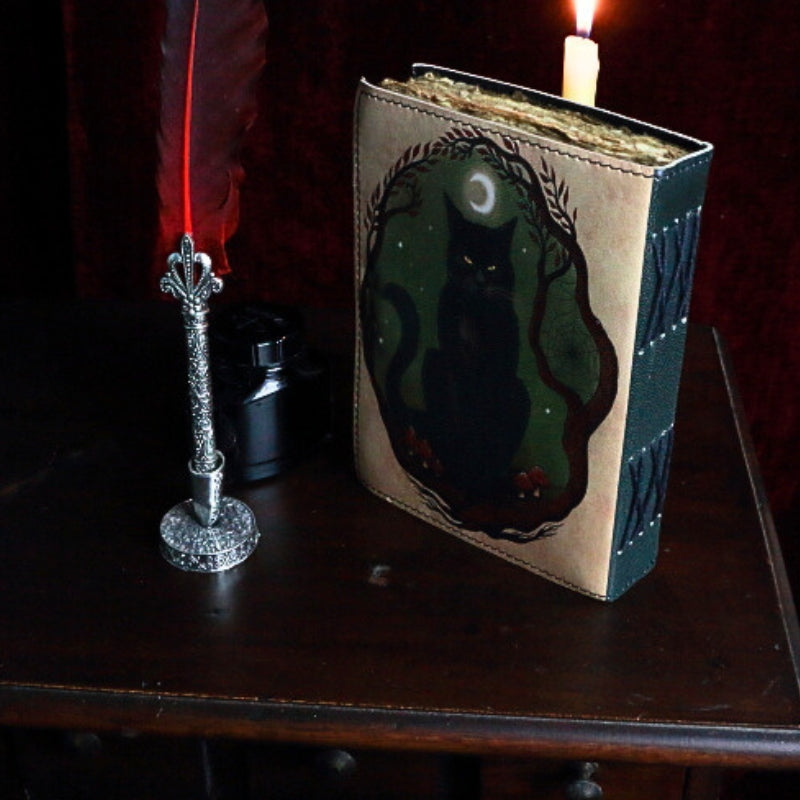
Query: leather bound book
{"points": [[523, 273]]}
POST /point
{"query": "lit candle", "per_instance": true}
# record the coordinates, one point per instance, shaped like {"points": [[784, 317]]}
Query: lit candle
{"points": [[581, 63]]}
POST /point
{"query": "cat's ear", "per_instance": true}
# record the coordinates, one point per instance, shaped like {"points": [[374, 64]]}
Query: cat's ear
{"points": [[507, 229], [454, 216]]}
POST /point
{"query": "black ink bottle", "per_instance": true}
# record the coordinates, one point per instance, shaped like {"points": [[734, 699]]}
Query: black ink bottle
{"points": [[272, 393]]}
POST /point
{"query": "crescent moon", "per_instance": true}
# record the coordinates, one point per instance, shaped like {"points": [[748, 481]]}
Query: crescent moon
{"points": [[488, 204]]}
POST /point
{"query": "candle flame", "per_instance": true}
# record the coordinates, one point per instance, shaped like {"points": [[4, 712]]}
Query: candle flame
{"points": [[584, 16]]}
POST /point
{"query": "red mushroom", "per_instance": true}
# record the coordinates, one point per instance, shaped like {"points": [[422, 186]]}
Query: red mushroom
{"points": [[531, 482]]}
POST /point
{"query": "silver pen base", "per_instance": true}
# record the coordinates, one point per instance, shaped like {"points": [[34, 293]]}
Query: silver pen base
{"points": [[188, 545]]}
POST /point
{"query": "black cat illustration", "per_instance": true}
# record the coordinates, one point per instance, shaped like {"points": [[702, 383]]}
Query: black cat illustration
{"points": [[476, 408], [490, 368]]}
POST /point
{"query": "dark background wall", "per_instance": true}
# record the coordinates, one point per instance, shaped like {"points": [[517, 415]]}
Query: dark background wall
{"points": [[80, 98]]}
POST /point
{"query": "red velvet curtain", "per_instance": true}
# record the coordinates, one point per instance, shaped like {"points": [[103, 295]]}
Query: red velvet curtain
{"points": [[720, 70]]}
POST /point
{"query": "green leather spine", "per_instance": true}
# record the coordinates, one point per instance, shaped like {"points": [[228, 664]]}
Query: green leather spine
{"points": [[667, 274]]}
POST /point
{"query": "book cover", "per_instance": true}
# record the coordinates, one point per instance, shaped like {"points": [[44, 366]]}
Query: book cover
{"points": [[523, 275]]}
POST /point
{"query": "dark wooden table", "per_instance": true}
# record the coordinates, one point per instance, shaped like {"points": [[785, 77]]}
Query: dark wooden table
{"points": [[354, 625]]}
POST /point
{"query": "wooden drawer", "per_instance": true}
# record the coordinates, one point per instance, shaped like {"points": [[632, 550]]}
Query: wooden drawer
{"points": [[504, 779], [54, 765]]}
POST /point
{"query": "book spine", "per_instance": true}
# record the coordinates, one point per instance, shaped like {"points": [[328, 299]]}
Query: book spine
{"points": [[667, 273]]}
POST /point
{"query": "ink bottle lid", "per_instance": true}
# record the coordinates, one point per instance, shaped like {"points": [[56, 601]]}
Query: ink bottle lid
{"points": [[258, 335]]}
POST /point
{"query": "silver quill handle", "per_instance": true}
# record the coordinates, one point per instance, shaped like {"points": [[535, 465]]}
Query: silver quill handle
{"points": [[189, 278], [209, 532]]}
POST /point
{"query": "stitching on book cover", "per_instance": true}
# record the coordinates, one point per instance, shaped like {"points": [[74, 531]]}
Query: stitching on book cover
{"points": [[648, 469], [357, 282], [671, 253], [631, 581], [661, 337], [663, 174]]}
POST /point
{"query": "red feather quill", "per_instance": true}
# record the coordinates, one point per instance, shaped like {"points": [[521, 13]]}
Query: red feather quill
{"points": [[213, 52]]}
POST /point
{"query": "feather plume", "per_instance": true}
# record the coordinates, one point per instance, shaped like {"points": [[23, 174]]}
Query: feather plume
{"points": [[213, 52]]}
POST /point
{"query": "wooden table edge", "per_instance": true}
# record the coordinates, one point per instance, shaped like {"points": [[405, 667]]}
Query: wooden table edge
{"points": [[388, 728], [780, 577]]}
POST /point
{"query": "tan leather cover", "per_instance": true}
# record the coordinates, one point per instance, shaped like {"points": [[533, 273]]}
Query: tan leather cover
{"points": [[613, 200]]}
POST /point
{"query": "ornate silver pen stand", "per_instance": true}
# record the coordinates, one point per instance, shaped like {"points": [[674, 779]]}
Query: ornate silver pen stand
{"points": [[209, 532]]}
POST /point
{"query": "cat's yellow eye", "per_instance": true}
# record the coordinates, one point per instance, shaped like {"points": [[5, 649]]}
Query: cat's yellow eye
{"points": [[491, 268], [467, 260]]}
